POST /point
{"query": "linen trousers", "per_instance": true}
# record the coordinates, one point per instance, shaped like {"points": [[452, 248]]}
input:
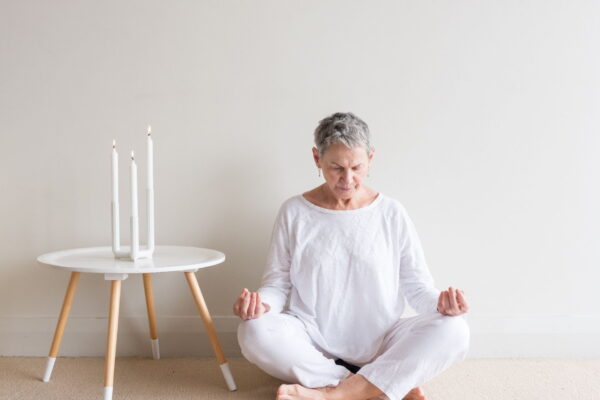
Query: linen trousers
{"points": [[413, 351]]}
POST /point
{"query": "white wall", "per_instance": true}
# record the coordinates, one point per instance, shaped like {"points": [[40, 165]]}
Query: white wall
{"points": [[485, 119]]}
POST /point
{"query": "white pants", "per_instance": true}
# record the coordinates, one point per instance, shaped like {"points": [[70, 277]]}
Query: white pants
{"points": [[413, 351]]}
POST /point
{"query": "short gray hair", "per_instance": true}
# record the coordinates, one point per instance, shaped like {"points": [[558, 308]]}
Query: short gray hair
{"points": [[344, 128]]}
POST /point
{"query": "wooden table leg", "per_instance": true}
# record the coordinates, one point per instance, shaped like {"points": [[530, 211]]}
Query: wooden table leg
{"points": [[151, 315], [210, 329], [60, 325], [111, 345]]}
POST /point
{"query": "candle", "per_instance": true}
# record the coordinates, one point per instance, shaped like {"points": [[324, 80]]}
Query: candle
{"points": [[116, 242], [150, 191], [134, 249], [150, 151], [134, 210]]}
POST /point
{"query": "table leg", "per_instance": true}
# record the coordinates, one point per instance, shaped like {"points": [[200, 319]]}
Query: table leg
{"points": [[151, 315], [210, 329], [111, 345], [60, 325]]}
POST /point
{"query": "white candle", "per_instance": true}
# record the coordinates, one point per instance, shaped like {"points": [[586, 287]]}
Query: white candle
{"points": [[150, 150], [150, 191], [134, 211], [116, 234]]}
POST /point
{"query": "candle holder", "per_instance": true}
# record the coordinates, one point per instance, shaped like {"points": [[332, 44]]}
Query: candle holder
{"points": [[134, 252]]}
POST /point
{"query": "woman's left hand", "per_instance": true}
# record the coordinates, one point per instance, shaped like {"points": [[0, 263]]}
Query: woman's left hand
{"points": [[452, 302]]}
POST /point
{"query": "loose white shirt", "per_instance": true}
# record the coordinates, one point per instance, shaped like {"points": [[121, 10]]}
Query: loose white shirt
{"points": [[346, 273]]}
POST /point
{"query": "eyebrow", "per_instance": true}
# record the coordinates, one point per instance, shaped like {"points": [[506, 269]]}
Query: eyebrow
{"points": [[359, 164]]}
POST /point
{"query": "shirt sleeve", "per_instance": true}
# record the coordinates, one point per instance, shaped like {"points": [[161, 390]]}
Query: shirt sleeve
{"points": [[416, 281], [276, 285]]}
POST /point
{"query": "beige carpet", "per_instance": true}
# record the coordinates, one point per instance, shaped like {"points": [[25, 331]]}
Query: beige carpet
{"points": [[200, 378]]}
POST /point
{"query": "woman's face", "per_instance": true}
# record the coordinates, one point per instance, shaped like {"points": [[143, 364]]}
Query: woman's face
{"points": [[343, 168]]}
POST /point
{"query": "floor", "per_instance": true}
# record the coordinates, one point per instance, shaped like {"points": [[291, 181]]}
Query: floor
{"points": [[200, 378]]}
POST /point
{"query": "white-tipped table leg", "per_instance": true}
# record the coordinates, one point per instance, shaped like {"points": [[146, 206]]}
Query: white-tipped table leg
{"points": [[111, 344], [155, 349], [60, 325], [49, 367], [228, 377], [108, 392], [149, 292], [210, 329]]}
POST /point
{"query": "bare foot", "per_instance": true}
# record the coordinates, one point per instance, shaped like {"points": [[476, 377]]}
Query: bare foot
{"points": [[415, 394], [297, 392]]}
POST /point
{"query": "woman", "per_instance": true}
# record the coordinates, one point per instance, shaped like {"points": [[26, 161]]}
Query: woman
{"points": [[342, 261]]}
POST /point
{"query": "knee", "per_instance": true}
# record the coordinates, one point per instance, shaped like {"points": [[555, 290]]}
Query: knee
{"points": [[253, 336], [248, 334], [453, 333]]}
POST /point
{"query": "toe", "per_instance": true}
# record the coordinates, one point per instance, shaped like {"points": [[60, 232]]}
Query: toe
{"points": [[287, 390], [415, 394]]}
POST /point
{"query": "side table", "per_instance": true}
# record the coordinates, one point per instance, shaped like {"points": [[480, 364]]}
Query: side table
{"points": [[100, 260]]}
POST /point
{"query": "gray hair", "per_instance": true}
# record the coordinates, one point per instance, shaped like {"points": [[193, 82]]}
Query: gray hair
{"points": [[344, 128]]}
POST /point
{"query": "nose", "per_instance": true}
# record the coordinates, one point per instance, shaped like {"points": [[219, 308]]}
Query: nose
{"points": [[347, 177]]}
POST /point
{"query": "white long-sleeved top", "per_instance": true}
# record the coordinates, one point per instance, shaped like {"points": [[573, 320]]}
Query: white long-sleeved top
{"points": [[346, 273]]}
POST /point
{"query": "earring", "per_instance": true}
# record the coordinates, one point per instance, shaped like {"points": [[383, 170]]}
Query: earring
{"points": [[319, 169]]}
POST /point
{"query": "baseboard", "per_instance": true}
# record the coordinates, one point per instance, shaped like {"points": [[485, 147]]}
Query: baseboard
{"points": [[179, 336], [492, 336], [534, 336]]}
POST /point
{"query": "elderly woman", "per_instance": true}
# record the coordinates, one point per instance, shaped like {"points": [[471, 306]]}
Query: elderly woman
{"points": [[343, 259]]}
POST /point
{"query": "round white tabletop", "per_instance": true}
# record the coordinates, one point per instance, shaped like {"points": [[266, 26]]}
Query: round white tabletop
{"points": [[101, 260]]}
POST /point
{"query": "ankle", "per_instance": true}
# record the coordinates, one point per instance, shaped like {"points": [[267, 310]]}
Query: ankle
{"points": [[333, 393]]}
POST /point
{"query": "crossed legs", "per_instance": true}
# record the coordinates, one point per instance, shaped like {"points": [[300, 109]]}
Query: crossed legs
{"points": [[414, 350]]}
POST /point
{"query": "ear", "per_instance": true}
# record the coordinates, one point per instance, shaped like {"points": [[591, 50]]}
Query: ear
{"points": [[316, 157], [371, 155]]}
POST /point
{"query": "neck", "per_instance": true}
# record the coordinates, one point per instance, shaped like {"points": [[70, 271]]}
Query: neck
{"points": [[334, 203]]}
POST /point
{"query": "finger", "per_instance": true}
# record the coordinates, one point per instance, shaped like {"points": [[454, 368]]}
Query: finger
{"points": [[237, 306], [452, 299], [244, 307], [252, 305], [257, 310], [439, 304], [445, 303]]}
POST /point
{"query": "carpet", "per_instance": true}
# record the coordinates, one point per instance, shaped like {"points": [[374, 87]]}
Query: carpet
{"points": [[200, 378]]}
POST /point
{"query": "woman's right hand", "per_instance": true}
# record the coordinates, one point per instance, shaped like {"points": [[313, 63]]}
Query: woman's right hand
{"points": [[249, 305]]}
